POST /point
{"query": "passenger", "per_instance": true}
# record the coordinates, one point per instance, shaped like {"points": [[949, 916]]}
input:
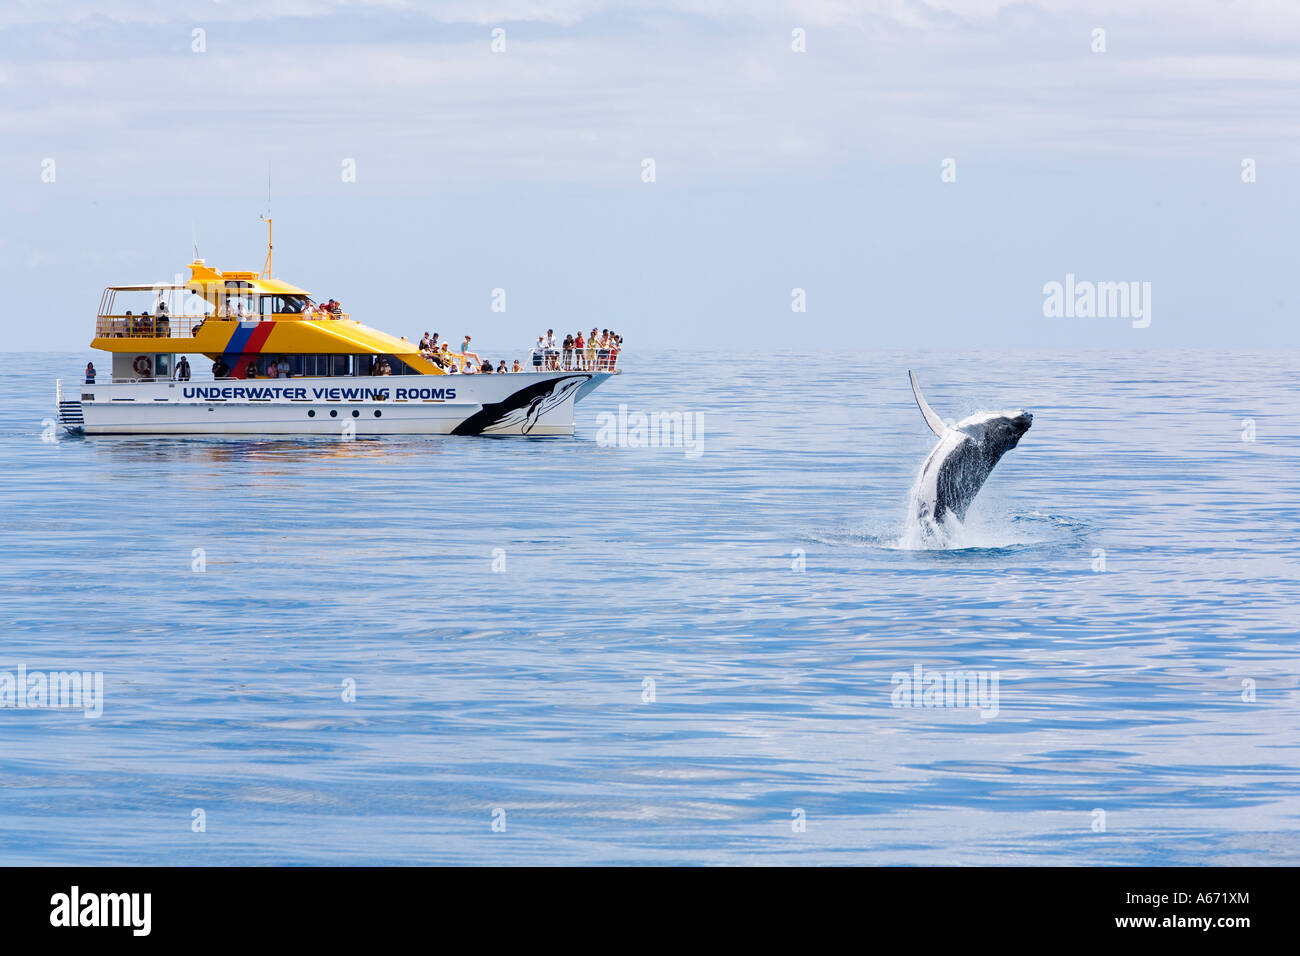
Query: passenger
{"points": [[183, 370], [516, 368], [424, 343], [452, 369], [602, 353], [90, 373], [592, 348], [579, 347], [162, 325], [502, 366], [284, 366], [385, 368], [552, 353], [465, 353], [568, 351], [272, 369], [220, 369], [251, 370], [539, 353]]}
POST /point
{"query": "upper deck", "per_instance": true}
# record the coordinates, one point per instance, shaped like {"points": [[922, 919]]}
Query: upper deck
{"points": [[236, 314], [178, 310], [128, 325]]}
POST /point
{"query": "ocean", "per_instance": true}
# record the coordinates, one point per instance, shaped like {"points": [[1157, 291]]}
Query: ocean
{"points": [[565, 651]]}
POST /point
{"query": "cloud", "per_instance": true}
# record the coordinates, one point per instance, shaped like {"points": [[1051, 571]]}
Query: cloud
{"points": [[589, 88]]}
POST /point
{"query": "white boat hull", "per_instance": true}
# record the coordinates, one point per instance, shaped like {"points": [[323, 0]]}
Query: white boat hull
{"points": [[523, 403]]}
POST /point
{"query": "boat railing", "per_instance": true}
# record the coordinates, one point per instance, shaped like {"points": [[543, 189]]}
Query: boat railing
{"points": [[549, 360], [187, 326], [574, 360]]}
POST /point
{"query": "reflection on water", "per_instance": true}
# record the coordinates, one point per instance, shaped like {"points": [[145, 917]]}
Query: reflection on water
{"points": [[223, 450], [642, 656]]}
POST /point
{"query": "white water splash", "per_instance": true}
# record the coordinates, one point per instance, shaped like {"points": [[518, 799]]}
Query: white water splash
{"points": [[986, 528]]}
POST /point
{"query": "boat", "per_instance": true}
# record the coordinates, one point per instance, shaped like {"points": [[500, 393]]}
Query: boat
{"points": [[332, 374]]}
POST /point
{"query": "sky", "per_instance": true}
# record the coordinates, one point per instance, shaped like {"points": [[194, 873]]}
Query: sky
{"points": [[911, 174]]}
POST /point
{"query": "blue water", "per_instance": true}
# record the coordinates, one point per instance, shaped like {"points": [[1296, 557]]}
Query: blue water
{"points": [[525, 691]]}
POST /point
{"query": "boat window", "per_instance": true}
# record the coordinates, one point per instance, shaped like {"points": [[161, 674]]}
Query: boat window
{"points": [[162, 366], [339, 365], [239, 306], [239, 301]]}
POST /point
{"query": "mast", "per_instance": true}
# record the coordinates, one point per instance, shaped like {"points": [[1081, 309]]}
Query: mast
{"points": [[266, 269]]}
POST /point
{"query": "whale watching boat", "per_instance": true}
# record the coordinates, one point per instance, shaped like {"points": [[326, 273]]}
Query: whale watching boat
{"points": [[284, 364]]}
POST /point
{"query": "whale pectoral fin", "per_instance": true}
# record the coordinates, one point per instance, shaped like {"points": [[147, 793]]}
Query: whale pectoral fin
{"points": [[934, 421]]}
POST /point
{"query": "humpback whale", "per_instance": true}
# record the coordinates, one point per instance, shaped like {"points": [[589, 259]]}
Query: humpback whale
{"points": [[958, 466]]}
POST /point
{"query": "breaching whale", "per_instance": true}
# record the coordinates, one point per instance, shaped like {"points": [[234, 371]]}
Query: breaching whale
{"points": [[958, 466]]}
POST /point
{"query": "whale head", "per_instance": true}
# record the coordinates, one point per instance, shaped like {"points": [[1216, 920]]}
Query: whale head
{"points": [[996, 432]]}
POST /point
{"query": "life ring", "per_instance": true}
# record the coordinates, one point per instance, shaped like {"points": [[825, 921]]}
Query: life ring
{"points": [[143, 366]]}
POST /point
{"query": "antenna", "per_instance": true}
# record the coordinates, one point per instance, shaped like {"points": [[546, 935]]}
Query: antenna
{"points": [[266, 269], [194, 239]]}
